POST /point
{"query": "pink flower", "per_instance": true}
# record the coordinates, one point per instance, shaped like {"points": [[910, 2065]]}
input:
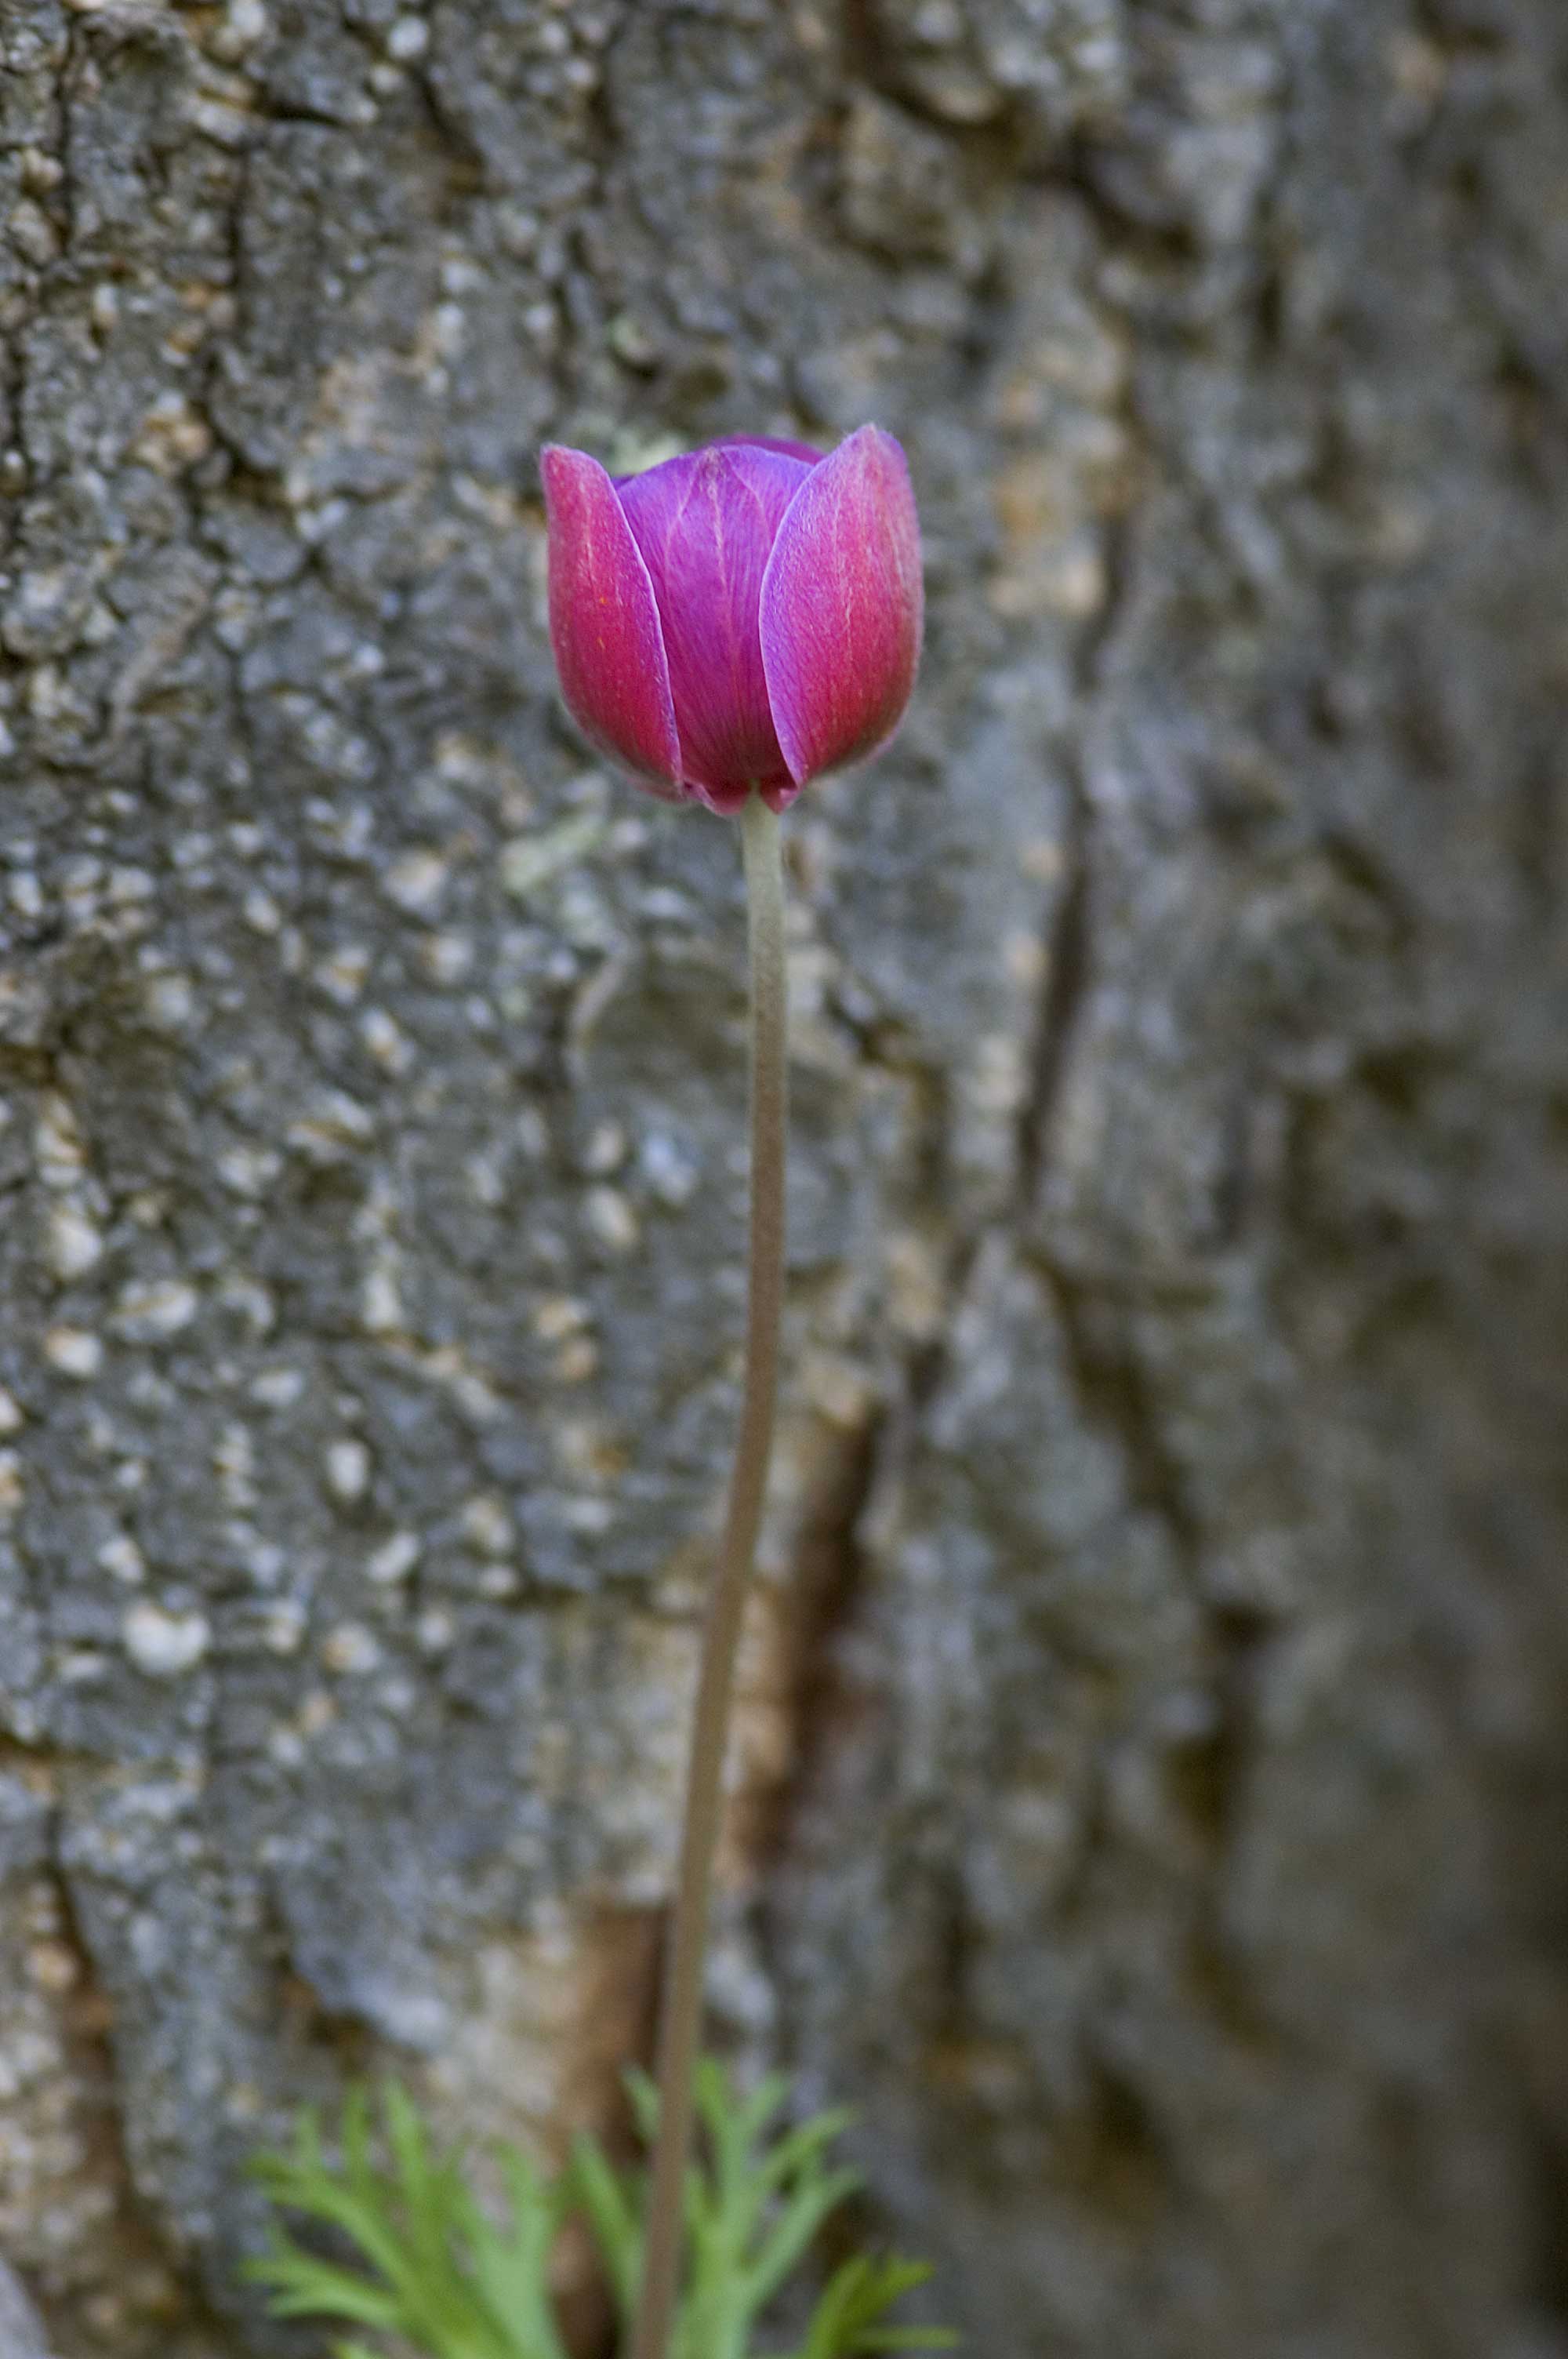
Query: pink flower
{"points": [[746, 616]]}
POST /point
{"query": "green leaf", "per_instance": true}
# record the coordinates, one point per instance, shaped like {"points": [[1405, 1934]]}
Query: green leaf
{"points": [[794, 2230], [754, 2200], [612, 2216], [512, 2269], [437, 2271], [424, 2260], [643, 2097], [857, 2296]]}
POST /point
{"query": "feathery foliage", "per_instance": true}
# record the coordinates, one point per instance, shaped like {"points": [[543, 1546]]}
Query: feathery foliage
{"points": [[423, 2261]]}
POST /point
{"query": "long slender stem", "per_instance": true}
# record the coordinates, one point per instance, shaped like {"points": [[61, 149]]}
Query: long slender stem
{"points": [[682, 2017]]}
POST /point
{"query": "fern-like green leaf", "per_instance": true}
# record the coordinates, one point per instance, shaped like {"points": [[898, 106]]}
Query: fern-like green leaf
{"points": [[848, 2318], [610, 2199], [438, 2272], [426, 2262], [754, 2202]]}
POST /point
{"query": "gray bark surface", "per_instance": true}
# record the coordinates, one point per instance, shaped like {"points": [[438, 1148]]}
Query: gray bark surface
{"points": [[1155, 1763], [21, 2337]]}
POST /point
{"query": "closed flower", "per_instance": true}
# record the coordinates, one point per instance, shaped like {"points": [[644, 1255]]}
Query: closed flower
{"points": [[747, 615]]}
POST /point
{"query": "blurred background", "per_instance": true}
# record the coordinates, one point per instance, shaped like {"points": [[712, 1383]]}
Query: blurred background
{"points": [[1153, 1809]]}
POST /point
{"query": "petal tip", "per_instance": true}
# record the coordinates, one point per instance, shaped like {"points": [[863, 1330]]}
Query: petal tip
{"points": [[558, 462]]}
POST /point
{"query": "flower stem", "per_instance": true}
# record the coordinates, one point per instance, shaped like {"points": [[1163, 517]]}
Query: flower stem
{"points": [[681, 2016]]}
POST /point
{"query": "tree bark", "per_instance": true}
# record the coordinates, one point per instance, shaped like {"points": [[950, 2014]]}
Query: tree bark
{"points": [[1155, 1770]]}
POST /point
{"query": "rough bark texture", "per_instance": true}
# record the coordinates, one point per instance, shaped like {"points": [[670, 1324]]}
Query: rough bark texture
{"points": [[1156, 1764]]}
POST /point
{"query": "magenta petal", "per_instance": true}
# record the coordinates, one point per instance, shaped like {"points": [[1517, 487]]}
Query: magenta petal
{"points": [[705, 525], [842, 606], [604, 623]]}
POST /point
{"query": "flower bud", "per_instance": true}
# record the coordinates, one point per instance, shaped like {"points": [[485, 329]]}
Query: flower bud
{"points": [[747, 615]]}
